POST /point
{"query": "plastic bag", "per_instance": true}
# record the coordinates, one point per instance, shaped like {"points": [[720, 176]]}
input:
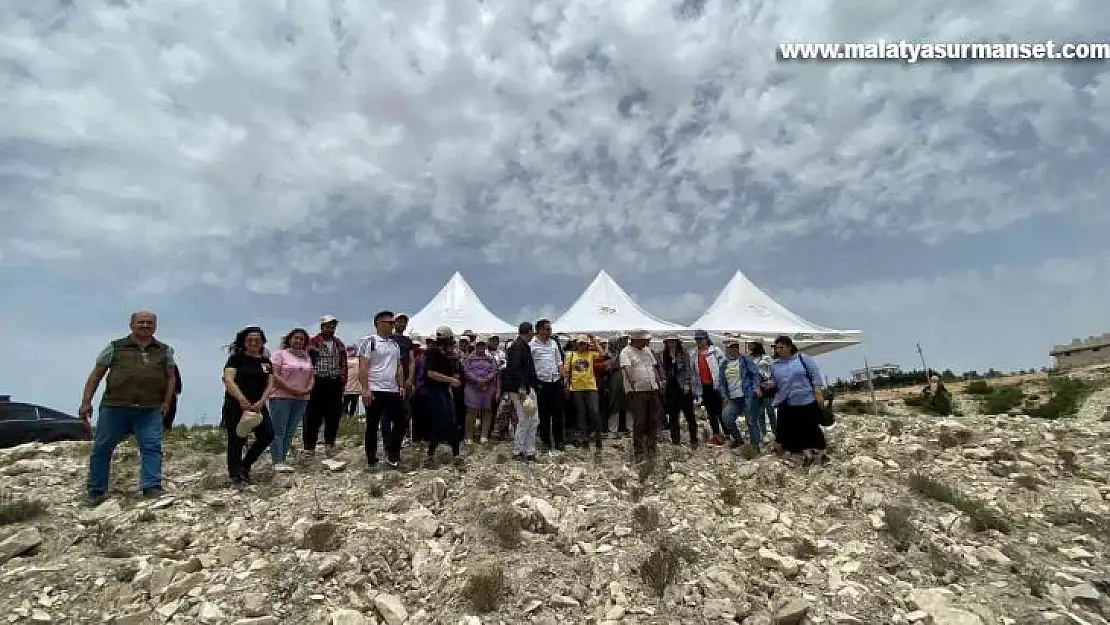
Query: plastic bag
{"points": [[529, 404]]}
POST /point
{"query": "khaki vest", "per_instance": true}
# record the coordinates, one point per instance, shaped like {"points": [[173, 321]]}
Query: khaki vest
{"points": [[137, 378]]}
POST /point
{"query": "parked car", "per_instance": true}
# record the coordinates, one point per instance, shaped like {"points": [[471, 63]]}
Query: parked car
{"points": [[24, 423]]}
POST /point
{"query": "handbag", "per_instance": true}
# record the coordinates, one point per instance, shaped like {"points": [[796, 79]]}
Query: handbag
{"points": [[825, 415]]}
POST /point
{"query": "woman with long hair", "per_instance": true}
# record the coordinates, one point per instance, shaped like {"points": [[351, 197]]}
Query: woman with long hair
{"points": [[678, 394], [248, 383], [293, 382], [799, 393], [353, 391]]}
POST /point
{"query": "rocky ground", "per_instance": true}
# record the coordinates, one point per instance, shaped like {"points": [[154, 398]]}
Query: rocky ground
{"points": [[917, 519]]}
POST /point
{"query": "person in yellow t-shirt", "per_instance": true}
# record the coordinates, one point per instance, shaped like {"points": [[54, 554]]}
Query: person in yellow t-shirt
{"points": [[582, 385]]}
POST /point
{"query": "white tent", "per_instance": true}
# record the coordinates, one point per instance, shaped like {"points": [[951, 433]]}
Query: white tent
{"points": [[743, 310], [458, 307], [604, 307]]}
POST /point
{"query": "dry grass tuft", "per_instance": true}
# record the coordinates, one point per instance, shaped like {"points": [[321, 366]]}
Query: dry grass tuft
{"points": [[488, 481], [485, 587], [895, 427], [983, 517], [376, 489], [324, 536], [899, 526], [663, 566], [731, 497], [645, 517], [19, 509], [506, 525]]}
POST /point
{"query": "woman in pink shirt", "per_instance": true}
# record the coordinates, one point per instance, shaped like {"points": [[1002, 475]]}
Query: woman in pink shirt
{"points": [[293, 380]]}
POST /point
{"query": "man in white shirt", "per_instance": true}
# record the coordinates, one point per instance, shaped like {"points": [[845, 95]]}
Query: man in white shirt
{"points": [[381, 375], [547, 356], [641, 387]]}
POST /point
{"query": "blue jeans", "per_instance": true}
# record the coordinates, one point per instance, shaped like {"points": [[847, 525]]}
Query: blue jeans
{"points": [[765, 407], [733, 408], [112, 426], [285, 414], [757, 427]]}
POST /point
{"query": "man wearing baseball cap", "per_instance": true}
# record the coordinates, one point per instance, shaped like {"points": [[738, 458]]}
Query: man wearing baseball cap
{"points": [[325, 405]]}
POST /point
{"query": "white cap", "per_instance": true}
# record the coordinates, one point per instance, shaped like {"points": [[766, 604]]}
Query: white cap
{"points": [[326, 319]]}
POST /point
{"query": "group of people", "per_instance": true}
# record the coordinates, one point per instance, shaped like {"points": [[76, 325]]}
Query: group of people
{"points": [[447, 389]]}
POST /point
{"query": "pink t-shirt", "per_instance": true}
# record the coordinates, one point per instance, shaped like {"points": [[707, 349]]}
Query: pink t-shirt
{"points": [[294, 369]]}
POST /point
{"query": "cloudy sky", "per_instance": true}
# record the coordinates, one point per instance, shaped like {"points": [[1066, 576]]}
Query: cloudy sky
{"points": [[226, 162]]}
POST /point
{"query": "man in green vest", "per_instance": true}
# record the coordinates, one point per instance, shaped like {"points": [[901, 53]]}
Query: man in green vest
{"points": [[140, 390]]}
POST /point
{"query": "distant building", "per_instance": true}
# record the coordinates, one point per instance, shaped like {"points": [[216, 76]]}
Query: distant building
{"points": [[878, 371], [1094, 350]]}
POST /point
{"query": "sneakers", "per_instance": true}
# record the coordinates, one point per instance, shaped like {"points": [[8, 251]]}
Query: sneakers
{"points": [[247, 423], [282, 467], [329, 451], [484, 440]]}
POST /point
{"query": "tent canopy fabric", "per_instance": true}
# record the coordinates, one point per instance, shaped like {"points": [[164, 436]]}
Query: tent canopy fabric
{"points": [[604, 307], [743, 309], [458, 307]]}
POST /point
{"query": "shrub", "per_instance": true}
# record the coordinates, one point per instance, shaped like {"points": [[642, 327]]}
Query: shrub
{"points": [[939, 404], [978, 387], [1003, 399], [855, 406], [1066, 394]]}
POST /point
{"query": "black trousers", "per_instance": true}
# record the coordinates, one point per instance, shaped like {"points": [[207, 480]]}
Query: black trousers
{"points": [[678, 401], [239, 463], [392, 407], [350, 404], [459, 403], [550, 399], [325, 407], [420, 415], [713, 403]]}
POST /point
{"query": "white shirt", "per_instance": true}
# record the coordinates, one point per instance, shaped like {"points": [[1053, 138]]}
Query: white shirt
{"points": [[639, 369], [383, 353], [499, 356], [545, 356]]}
